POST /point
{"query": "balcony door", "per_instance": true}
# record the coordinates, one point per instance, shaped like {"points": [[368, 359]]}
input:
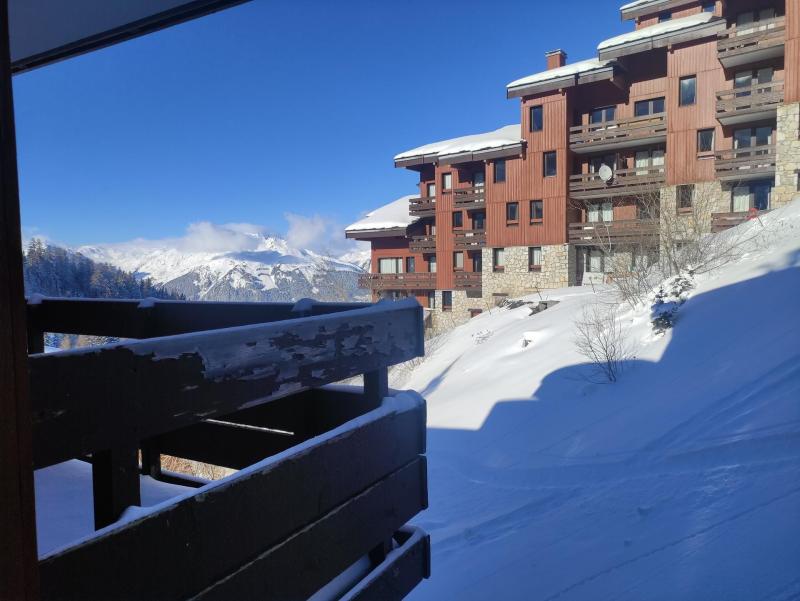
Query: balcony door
{"points": [[390, 265], [749, 137], [478, 220], [755, 195], [747, 22], [479, 179], [477, 262], [600, 212], [646, 160], [596, 162], [752, 77]]}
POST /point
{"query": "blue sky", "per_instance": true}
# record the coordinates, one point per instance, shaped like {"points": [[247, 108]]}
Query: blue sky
{"points": [[274, 107]]}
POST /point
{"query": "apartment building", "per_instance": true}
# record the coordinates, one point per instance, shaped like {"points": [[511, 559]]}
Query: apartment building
{"points": [[697, 106]]}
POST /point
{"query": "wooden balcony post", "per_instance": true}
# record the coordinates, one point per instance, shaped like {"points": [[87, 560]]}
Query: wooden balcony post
{"points": [[115, 483], [18, 556]]}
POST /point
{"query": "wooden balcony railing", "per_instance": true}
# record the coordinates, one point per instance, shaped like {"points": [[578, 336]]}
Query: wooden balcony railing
{"points": [[397, 281], [621, 133], [627, 231], [637, 181], [469, 198], [470, 239], [251, 396], [424, 206], [723, 221], [422, 244], [753, 102], [467, 280], [749, 163], [755, 41]]}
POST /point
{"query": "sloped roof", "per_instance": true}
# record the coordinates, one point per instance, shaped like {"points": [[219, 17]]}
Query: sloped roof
{"points": [[504, 136], [392, 216], [657, 29]]}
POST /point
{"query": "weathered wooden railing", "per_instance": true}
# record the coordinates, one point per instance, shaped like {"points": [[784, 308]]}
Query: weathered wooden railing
{"points": [[397, 281], [424, 206], [764, 37], [469, 239], [751, 102], [723, 221], [467, 280], [332, 475], [469, 198], [742, 164], [625, 182], [642, 232], [422, 244], [621, 132]]}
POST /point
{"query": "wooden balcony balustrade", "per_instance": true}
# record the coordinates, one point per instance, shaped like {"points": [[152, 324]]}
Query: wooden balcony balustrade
{"points": [[723, 221], [626, 182], [621, 133], [469, 239], [467, 280], [751, 103], [349, 462], [397, 281], [743, 164], [469, 198], [748, 43], [625, 231], [422, 244], [424, 206]]}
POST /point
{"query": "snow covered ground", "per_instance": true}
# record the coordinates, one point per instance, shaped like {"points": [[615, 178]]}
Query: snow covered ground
{"points": [[680, 481]]}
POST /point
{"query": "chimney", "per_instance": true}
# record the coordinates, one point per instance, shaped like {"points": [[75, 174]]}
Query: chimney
{"points": [[555, 59]]}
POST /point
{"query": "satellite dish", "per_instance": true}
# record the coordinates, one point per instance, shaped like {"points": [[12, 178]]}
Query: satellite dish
{"points": [[605, 173]]}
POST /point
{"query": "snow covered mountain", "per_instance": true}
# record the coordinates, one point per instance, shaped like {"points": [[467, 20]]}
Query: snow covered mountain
{"points": [[266, 268], [678, 481]]}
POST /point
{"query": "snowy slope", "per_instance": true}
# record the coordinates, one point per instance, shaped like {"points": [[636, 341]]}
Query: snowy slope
{"points": [[268, 270], [680, 481]]}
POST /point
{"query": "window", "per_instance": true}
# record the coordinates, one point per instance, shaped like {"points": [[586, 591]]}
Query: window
{"points": [[458, 220], [705, 140], [432, 264], [743, 80], [498, 259], [431, 299], [594, 260], [537, 118], [603, 114], [537, 211], [478, 220], [755, 195], [431, 190], [447, 181], [512, 212], [447, 300], [709, 7], [684, 200], [549, 164], [390, 265], [752, 136], [410, 265], [499, 171], [647, 160], [654, 106], [535, 258], [600, 211], [477, 262], [458, 261], [478, 179], [664, 16], [688, 90]]}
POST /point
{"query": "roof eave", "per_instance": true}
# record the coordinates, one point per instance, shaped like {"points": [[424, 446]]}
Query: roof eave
{"points": [[375, 233], [568, 81], [663, 40], [649, 9], [488, 154]]}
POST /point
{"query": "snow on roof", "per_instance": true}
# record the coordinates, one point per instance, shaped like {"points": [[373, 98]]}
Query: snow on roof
{"points": [[657, 29], [638, 3], [389, 216], [505, 136], [572, 69]]}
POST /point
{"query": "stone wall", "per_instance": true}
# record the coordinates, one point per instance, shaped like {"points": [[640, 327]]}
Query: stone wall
{"points": [[460, 312], [707, 198], [787, 154], [558, 270]]}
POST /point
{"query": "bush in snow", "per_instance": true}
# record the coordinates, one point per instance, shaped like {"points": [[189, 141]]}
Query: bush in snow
{"points": [[600, 339], [668, 299]]}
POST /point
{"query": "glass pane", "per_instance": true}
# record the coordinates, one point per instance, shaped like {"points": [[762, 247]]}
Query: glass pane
{"points": [[761, 196], [687, 91], [763, 135], [410, 265], [741, 199], [593, 214], [744, 18], [658, 106], [478, 178], [705, 140], [431, 189], [641, 108], [766, 13], [536, 118], [595, 261], [610, 112], [743, 79], [608, 211], [432, 264], [741, 138], [458, 260], [447, 181], [658, 158], [765, 75], [596, 116]]}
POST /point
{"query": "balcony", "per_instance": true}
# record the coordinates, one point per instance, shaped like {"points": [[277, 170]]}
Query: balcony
{"points": [[397, 281], [470, 198], [605, 233], [467, 280], [242, 386], [752, 103], [422, 244], [622, 133], [625, 182], [742, 164], [470, 239], [723, 221], [424, 206], [744, 44]]}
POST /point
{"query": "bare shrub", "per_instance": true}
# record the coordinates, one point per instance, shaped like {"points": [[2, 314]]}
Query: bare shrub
{"points": [[599, 338], [193, 468]]}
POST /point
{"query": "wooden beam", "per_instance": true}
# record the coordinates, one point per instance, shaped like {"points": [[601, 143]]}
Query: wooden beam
{"points": [[189, 545], [18, 557], [116, 395], [115, 483]]}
